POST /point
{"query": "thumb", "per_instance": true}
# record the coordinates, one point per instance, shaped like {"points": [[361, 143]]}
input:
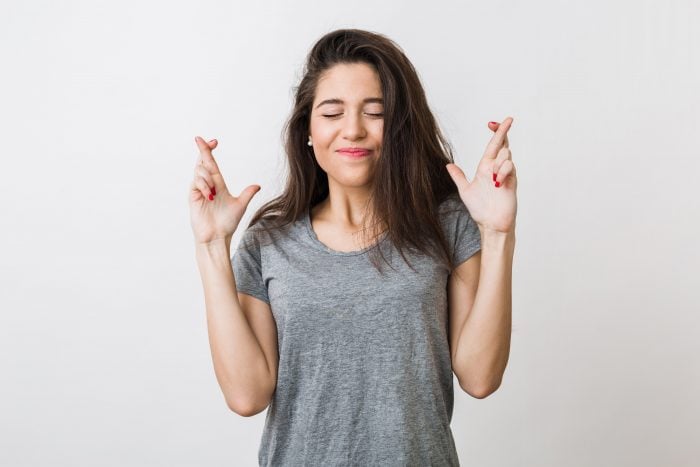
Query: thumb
{"points": [[458, 176], [248, 193]]}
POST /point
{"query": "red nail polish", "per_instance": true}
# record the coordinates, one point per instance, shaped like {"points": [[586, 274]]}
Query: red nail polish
{"points": [[498, 184], [211, 197], [213, 191], [494, 177], [494, 123]]}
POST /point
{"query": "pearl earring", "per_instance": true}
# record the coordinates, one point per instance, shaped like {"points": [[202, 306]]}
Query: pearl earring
{"points": [[309, 143]]}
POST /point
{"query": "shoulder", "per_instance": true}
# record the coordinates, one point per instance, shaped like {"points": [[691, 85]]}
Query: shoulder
{"points": [[265, 232], [452, 210], [458, 225], [452, 202]]}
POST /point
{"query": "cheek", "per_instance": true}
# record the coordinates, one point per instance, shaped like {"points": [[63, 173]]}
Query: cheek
{"points": [[378, 132], [322, 133]]}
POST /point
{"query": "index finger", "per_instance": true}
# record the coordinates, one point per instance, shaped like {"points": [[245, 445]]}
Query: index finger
{"points": [[505, 141], [498, 139], [206, 156]]}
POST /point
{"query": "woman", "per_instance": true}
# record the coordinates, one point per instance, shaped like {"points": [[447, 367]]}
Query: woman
{"points": [[355, 360]]}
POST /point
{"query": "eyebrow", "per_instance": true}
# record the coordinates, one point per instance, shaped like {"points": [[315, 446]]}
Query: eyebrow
{"points": [[377, 100]]}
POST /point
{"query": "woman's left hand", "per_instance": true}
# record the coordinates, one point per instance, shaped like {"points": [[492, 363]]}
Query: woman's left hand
{"points": [[491, 196]]}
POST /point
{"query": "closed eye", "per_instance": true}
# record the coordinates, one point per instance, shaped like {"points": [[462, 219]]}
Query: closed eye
{"points": [[370, 114]]}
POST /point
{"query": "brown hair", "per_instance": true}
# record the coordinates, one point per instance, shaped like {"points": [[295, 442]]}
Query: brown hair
{"points": [[410, 180]]}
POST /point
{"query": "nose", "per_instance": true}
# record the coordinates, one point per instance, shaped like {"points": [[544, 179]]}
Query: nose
{"points": [[354, 126]]}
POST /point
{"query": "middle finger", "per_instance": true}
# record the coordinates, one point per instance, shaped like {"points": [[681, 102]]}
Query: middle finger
{"points": [[495, 126], [499, 139], [206, 155], [204, 173]]}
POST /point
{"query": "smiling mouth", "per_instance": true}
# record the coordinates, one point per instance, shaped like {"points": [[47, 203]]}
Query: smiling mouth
{"points": [[354, 152]]}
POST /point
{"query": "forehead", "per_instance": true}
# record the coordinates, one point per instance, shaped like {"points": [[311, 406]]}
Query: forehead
{"points": [[349, 81]]}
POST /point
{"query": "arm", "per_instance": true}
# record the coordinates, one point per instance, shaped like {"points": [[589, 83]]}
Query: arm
{"points": [[239, 361], [481, 340]]}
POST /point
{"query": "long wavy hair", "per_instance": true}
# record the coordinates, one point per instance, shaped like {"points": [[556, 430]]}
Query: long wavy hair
{"points": [[410, 180]]}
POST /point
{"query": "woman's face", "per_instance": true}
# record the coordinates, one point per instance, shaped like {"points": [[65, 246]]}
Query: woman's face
{"points": [[347, 113]]}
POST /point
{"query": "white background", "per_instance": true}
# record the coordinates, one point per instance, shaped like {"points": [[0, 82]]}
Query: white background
{"points": [[104, 354]]}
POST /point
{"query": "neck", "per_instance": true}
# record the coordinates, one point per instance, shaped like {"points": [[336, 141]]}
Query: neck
{"points": [[345, 208]]}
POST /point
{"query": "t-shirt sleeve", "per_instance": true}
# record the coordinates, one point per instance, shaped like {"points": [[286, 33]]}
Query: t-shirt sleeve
{"points": [[247, 266], [463, 232]]}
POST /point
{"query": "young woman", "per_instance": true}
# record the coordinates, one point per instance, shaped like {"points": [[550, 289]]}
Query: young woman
{"points": [[378, 272]]}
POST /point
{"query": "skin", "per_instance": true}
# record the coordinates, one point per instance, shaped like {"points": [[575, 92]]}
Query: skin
{"points": [[216, 219], [350, 123], [480, 288], [492, 208]]}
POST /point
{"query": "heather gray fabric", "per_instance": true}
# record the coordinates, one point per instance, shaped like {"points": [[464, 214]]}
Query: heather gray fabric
{"points": [[365, 375]]}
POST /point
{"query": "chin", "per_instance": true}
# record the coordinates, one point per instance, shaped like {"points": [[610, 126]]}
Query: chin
{"points": [[354, 182]]}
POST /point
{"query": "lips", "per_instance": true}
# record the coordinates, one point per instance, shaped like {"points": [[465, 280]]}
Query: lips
{"points": [[354, 152]]}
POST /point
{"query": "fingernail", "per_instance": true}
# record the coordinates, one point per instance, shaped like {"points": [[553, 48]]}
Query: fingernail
{"points": [[494, 177], [494, 123], [213, 191], [211, 197], [498, 184]]}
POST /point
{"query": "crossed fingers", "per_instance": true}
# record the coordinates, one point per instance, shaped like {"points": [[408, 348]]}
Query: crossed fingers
{"points": [[498, 151], [205, 156], [499, 139], [206, 170]]}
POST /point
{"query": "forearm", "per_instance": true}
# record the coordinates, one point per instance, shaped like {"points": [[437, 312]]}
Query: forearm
{"points": [[239, 362], [484, 341]]}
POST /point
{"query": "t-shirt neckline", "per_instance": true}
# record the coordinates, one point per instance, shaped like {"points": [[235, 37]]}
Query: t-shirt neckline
{"points": [[322, 246]]}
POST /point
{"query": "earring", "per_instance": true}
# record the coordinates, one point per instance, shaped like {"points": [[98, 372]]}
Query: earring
{"points": [[309, 143]]}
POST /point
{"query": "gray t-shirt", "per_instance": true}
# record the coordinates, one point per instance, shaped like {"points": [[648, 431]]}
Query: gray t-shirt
{"points": [[365, 373]]}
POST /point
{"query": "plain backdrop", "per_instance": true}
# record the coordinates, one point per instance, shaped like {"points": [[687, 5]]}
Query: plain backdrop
{"points": [[104, 353]]}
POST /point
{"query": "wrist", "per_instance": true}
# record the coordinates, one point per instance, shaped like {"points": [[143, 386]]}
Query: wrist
{"points": [[497, 240], [215, 246]]}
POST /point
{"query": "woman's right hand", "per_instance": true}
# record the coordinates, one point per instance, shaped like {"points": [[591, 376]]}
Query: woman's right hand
{"points": [[216, 218]]}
